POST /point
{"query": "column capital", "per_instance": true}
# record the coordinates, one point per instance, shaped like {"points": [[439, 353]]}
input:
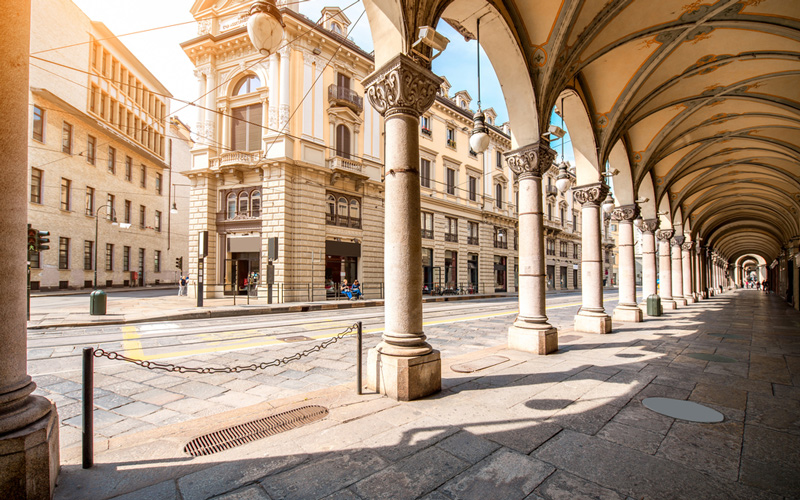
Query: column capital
{"points": [[591, 194], [625, 212], [402, 86], [664, 234], [531, 160], [648, 226], [688, 245], [678, 240]]}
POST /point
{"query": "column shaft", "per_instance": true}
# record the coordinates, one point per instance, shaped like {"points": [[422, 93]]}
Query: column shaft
{"points": [[665, 269], [688, 292], [592, 317], [627, 309], [677, 271]]}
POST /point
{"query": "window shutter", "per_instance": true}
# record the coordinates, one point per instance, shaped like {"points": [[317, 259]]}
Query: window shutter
{"points": [[239, 132], [254, 127]]}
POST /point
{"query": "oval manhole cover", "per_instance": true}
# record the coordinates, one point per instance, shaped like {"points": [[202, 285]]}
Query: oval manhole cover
{"points": [[684, 410], [711, 357], [238, 435]]}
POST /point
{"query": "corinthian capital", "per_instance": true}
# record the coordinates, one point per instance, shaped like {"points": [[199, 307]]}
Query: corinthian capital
{"points": [[648, 226], [591, 194], [688, 246], [625, 212], [402, 86], [531, 160], [665, 234], [678, 240]]}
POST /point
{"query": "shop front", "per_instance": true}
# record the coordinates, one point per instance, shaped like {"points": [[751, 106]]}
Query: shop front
{"points": [[341, 263]]}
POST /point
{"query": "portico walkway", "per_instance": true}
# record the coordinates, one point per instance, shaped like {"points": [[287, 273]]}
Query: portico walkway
{"points": [[569, 425]]}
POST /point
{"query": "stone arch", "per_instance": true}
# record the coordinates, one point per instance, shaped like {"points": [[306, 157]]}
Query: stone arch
{"points": [[623, 181], [581, 133], [646, 190]]}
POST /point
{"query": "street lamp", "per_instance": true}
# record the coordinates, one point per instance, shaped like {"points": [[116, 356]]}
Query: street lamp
{"points": [[265, 26]]}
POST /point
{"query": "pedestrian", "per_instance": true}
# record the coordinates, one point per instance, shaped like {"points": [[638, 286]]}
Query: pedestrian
{"points": [[182, 285], [355, 290], [346, 290]]}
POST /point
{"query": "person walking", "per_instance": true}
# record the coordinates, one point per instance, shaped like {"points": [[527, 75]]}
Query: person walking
{"points": [[182, 286]]}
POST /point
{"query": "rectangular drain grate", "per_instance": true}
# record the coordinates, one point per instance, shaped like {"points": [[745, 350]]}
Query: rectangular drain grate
{"points": [[251, 431]]}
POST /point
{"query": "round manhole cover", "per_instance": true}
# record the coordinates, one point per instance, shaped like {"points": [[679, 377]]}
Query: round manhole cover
{"points": [[716, 358], [684, 410]]}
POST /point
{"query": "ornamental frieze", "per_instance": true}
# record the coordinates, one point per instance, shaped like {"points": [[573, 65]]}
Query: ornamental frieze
{"points": [[530, 160], [402, 86], [625, 213], [592, 194]]}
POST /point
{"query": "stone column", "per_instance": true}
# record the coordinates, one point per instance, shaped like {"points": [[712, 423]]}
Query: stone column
{"points": [[592, 317], [627, 309], [531, 332], [28, 424], [403, 365], [274, 86], [211, 103], [677, 270], [698, 286], [796, 290], [284, 91], [688, 293], [703, 267], [201, 112], [649, 286], [665, 268]]}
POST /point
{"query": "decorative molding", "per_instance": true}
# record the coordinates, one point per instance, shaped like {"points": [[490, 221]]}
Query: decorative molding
{"points": [[687, 246], [402, 86], [625, 213], [664, 234], [591, 195], [678, 240], [648, 226], [531, 160]]}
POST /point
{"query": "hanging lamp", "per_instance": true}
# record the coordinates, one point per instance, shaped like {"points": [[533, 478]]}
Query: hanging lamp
{"points": [[265, 26], [479, 140], [563, 181]]}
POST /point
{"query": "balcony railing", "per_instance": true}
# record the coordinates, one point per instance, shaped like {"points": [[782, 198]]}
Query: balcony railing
{"points": [[500, 244], [426, 131], [472, 240], [228, 216], [343, 96], [236, 158], [343, 221], [451, 237], [451, 143], [345, 164], [427, 233], [551, 190]]}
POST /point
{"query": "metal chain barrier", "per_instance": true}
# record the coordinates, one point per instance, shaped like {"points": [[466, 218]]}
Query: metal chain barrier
{"points": [[153, 365]]}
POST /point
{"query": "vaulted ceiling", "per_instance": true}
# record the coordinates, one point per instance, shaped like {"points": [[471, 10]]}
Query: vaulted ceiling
{"points": [[704, 94]]}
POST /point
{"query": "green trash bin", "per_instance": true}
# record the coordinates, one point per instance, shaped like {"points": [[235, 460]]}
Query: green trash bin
{"points": [[97, 302], [654, 306]]}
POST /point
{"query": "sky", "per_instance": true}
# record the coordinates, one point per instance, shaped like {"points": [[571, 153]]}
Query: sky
{"points": [[159, 48]]}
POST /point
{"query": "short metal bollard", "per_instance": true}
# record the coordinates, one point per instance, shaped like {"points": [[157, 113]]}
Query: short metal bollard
{"points": [[88, 407], [359, 331]]}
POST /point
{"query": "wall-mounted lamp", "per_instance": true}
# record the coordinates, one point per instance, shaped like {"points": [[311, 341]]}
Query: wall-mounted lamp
{"points": [[430, 38], [642, 200]]}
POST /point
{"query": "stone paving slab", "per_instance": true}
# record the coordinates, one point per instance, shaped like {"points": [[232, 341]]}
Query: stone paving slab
{"points": [[568, 426]]}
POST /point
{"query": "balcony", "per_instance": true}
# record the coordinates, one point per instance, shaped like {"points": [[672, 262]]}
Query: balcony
{"points": [[343, 96], [337, 162], [236, 158], [472, 240], [501, 244], [551, 190], [451, 143], [343, 221], [427, 233], [426, 131], [451, 237]]}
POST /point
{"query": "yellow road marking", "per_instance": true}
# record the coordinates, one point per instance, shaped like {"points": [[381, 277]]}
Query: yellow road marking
{"points": [[130, 342], [243, 344]]}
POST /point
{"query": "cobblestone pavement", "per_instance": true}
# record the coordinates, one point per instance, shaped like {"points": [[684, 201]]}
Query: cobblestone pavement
{"points": [[567, 425], [131, 399]]}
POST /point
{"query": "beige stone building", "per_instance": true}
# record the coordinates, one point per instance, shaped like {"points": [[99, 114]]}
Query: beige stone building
{"points": [[288, 150], [99, 149]]}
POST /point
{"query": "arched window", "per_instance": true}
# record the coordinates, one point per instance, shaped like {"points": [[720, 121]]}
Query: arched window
{"points": [[331, 205], [243, 203], [255, 204], [343, 141], [355, 214], [247, 85], [498, 195], [336, 28], [231, 202], [342, 209]]}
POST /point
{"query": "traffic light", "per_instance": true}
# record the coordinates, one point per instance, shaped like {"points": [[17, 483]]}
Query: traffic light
{"points": [[32, 248], [42, 240], [179, 263]]}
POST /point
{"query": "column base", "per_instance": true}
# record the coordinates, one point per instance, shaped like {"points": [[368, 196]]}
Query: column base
{"points": [[668, 304], [711, 292], [592, 323], [404, 378], [690, 299], [537, 341], [628, 314], [679, 301], [29, 457]]}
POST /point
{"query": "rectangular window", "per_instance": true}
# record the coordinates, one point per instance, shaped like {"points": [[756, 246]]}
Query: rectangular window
{"points": [[109, 257], [451, 181], [246, 128], [157, 261], [141, 261], [128, 168], [158, 221], [142, 215], [451, 137], [452, 230], [574, 221], [110, 202], [427, 224], [89, 200], [63, 253], [576, 251], [36, 185], [562, 249], [425, 173], [499, 159], [66, 138], [38, 123], [473, 188], [127, 211], [159, 178], [425, 125], [93, 98], [126, 258], [91, 149], [472, 238], [87, 255], [143, 170], [112, 160], [66, 195]]}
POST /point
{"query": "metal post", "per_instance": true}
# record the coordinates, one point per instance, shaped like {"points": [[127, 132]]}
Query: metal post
{"points": [[88, 407], [29, 290], [358, 358], [200, 282]]}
